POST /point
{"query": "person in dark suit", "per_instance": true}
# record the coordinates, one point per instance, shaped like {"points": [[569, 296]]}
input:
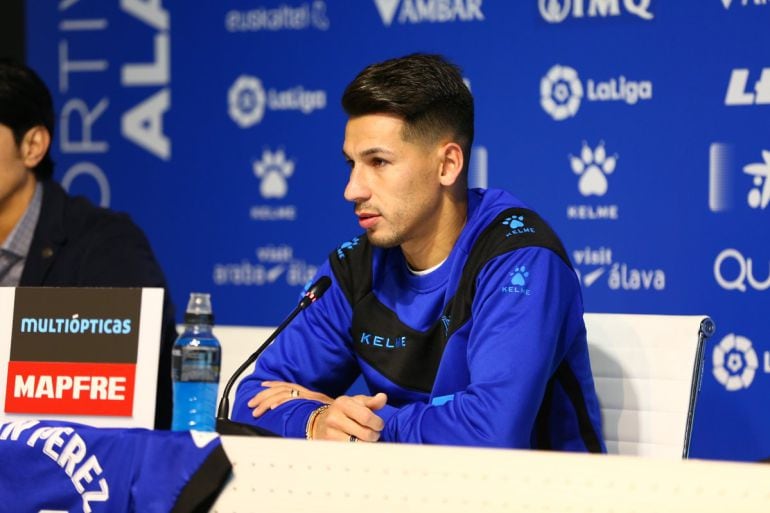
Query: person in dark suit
{"points": [[48, 238]]}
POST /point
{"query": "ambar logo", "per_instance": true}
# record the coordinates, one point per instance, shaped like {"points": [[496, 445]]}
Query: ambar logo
{"points": [[431, 11]]}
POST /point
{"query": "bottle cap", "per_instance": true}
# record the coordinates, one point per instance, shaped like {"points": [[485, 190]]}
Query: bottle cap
{"points": [[199, 309]]}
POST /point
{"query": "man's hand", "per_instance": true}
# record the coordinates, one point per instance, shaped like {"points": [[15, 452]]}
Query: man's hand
{"points": [[351, 416], [278, 392]]}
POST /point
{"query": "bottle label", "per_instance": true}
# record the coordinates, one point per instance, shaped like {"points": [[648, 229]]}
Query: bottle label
{"points": [[191, 363]]}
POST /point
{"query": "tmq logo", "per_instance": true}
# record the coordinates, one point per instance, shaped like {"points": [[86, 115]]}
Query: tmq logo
{"points": [[556, 11], [735, 362], [272, 170], [745, 274], [518, 282], [561, 91]]}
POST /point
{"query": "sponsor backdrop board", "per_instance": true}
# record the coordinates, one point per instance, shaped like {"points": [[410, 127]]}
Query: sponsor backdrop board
{"points": [[638, 128]]}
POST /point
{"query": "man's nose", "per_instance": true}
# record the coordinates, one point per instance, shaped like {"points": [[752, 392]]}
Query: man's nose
{"points": [[357, 189]]}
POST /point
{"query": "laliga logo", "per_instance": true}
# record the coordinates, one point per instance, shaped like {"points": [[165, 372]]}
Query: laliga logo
{"points": [[556, 11], [735, 362], [745, 272], [246, 101], [561, 92]]}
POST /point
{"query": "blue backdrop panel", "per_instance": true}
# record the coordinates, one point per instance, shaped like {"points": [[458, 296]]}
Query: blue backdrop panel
{"points": [[638, 128]]}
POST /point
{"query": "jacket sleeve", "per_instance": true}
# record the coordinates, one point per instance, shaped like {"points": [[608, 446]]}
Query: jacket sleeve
{"points": [[525, 302], [314, 351]]}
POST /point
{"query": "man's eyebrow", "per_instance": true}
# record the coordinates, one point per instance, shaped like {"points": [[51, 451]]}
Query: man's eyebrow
{"points": [[369, 151]]}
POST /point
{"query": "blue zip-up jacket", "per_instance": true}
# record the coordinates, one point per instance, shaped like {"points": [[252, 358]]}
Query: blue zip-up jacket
{"points": [[487, 350]]}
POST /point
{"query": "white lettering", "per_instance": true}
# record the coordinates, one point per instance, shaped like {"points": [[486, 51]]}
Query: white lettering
{"points": [[86, 144], [24, 387], [82, 384], [144, 124]]}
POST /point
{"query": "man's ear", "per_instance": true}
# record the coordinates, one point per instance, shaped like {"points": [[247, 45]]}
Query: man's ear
{"points": [[452, 162], [34, 146]]}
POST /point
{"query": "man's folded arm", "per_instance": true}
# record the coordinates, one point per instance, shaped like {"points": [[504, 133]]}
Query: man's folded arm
{"points": [[313, 351]]}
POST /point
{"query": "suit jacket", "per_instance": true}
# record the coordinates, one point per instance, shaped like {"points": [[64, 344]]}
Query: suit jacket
{"points": [[77, 244]]}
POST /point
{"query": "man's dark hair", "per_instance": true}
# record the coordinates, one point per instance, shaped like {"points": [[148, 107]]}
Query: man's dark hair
{"points": [[25, 102], [426, 91]]}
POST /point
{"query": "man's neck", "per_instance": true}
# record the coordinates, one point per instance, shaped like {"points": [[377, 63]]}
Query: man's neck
{"points": [[439, 239], [13, 206]]}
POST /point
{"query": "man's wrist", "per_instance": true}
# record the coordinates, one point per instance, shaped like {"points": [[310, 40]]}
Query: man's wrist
{"points": [[312, 419]]}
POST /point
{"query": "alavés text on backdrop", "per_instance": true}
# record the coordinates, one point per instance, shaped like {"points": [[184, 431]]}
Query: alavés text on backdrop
{"points": [[592, 263], [556, 11], [79, 65], [562, 91]]}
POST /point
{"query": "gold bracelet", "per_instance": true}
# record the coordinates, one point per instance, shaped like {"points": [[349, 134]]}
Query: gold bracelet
{"points": [[311, 420]]}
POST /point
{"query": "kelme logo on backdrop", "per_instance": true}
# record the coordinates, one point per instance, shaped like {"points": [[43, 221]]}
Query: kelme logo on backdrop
{"points": [[429, 11], [556, 11], [734, 271], [562, 92], [723, 178], [273, 170], [740, 92], [594, 263], [735, 362], [592, 166], [247, 100], [284, 17]]}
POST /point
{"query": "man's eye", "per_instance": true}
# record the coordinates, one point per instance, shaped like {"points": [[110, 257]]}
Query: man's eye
{"points": [[377, 162]]}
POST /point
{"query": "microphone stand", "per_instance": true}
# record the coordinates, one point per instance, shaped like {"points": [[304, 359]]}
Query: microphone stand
{"points": [[225, 426]]}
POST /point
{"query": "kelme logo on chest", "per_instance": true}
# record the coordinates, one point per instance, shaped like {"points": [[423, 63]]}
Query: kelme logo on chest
{"points": [[374, 340]]}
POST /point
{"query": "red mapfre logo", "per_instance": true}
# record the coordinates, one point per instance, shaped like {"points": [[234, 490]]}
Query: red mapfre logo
{"points": [[70, 388]]}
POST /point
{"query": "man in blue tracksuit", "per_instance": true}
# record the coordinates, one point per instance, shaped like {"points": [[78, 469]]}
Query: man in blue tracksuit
{"points": [[459, 307]]}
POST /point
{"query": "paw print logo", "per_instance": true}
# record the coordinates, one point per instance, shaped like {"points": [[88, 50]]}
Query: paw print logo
{"points": [[593, 166], [273, 169], [347, 246], [514, 222], [519, 276]]}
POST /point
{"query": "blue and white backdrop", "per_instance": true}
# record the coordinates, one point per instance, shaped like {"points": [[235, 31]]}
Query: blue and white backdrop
{"points": [[638, 128]]}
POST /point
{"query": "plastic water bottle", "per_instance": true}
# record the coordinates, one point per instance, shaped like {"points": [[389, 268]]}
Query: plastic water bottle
{"points": [[195, 362]]}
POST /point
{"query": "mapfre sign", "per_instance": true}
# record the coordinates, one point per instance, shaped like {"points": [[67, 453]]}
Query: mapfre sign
{"points": [[80, 353]]}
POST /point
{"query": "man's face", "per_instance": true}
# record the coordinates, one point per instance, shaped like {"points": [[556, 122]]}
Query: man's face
{"points": [[13, 173], [393, 183]]}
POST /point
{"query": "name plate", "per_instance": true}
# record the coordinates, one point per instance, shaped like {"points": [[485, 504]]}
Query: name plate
{"points": [[80, 354]]}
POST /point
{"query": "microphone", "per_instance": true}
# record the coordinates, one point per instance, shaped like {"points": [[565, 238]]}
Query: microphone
{"points": [[225, 426]]}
